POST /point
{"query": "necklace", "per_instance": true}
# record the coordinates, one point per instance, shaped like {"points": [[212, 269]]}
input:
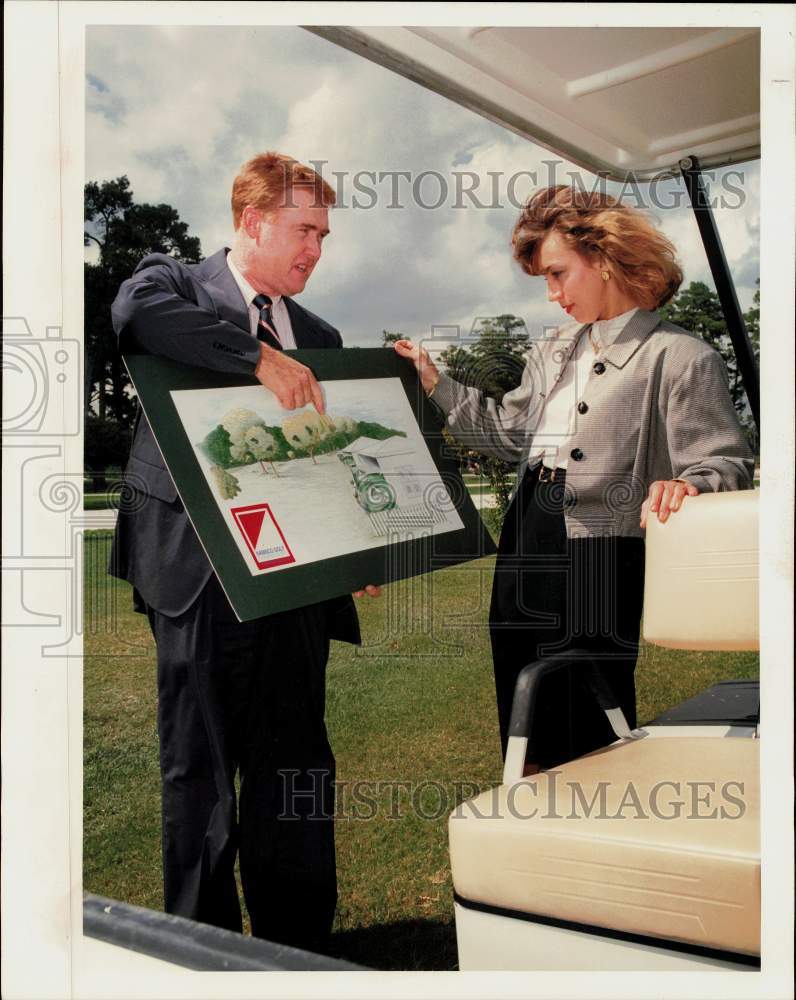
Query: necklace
{"points": [[596, 346]]}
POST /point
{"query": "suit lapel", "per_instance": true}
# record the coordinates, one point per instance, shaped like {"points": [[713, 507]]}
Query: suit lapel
{"points": [[305, 332], [222, 287], [631, 338], [217, 278]]}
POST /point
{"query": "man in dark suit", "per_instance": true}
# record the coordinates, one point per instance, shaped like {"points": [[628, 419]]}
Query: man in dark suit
{"points": [[236, 697]]}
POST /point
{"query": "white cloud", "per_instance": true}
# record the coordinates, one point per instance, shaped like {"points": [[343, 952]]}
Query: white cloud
{"points": [[185, 106]]}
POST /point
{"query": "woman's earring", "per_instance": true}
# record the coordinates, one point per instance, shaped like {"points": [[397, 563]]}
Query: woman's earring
{"points": [[605, 275]]}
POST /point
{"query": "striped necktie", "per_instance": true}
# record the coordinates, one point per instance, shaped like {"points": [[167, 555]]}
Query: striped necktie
{"points": [[266, 331]]}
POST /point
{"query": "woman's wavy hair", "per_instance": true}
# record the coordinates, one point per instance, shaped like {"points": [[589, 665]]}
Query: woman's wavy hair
{"points": [[641, 260]]}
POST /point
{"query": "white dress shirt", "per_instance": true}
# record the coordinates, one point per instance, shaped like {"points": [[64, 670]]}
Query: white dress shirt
{"points": [[279, 311], [558, 419]]}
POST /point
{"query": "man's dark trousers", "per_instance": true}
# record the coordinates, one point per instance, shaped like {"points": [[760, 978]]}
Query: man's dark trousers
{"points": [[250, 696]]}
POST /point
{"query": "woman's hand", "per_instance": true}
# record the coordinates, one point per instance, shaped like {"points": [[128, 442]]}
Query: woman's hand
{"points": [[371, 590], [426, 369], [665, 497]]}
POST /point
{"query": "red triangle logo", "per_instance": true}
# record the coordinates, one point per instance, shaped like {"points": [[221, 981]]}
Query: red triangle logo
{"points": [[250, 522]]}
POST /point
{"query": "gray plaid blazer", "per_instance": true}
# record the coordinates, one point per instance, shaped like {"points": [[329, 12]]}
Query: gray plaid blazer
{"points": [[656, 406]]}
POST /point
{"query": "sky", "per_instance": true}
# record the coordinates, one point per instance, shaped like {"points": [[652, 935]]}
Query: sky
{"points": [[179, 109]]}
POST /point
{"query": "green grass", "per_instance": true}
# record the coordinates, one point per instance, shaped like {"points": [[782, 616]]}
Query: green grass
{"points": [[478, 490], [415, 704], [100, 501]]}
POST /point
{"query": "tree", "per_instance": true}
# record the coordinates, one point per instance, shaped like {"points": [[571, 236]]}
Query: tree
{"points": [[106, 443], [217, 447], [123, 232], [495, 361], [388, 337], [307, 429], [226, 484], [698, 309], [494, 364], [264, 446], [366, 428], [752, 319]]}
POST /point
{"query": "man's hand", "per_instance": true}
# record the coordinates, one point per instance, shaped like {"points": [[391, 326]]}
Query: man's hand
{"points": [[665, 497], [292, 383], [371, 590], [426, 369]]}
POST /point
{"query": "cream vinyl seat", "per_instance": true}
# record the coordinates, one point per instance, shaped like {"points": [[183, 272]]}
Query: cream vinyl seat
{"points": [[645, 854]]}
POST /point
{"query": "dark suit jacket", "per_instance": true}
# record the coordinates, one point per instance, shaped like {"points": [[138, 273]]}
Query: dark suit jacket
{"points": [[194, 314]]}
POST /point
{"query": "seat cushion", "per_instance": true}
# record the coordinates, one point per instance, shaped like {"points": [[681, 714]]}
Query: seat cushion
{"points": [[710, 548], [649, 836]]}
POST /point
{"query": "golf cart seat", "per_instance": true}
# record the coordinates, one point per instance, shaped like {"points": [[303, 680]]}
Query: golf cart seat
{"points": [[644, 854], [701, 590]]}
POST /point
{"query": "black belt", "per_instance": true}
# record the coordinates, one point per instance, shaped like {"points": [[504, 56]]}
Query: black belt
{"points": [[544, 474]]}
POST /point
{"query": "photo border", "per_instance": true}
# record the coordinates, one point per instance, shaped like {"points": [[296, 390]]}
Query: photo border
{"points": [[45, 951]]}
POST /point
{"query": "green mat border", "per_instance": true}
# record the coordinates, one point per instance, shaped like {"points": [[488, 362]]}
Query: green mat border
{"points": [[154, 378]]}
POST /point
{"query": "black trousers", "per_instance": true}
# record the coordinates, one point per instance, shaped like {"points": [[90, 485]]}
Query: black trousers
{"points": [[246, 698], [551, 594]]}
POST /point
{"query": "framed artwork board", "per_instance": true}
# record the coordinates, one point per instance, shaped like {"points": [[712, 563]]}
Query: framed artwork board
{"points": [[293, 506]]}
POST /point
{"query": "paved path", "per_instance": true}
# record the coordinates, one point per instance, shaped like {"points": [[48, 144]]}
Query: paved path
{"points": [[99, 520]]}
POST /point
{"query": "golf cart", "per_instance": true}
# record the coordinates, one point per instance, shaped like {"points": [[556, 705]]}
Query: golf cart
{"points": [[614, 878], [645, 854], [366, 458], [386, 484]]}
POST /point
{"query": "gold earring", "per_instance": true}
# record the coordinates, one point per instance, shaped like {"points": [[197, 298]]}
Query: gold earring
{"points": [[605, 275]]}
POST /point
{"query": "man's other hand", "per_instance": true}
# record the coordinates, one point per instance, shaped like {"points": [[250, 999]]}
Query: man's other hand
{"points": [[371, 590], [292, 383]]}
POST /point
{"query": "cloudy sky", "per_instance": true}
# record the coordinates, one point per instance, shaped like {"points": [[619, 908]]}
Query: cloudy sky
{"points": [[179, 109]]}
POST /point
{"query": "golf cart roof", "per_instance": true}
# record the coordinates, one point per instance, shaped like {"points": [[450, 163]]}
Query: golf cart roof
{"points": [[612, 100]]}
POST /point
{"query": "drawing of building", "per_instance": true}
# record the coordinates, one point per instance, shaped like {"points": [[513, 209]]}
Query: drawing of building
{"points": [[387, 485]]}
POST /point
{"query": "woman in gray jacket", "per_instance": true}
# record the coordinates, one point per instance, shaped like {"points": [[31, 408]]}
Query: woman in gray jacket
{"points": [[619, 415]]}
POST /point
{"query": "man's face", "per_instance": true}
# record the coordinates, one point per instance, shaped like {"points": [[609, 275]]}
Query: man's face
{"points": [[288, 245]]}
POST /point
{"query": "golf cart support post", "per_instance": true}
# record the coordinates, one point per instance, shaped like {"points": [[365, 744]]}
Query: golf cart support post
{"points": [[733, 317]]}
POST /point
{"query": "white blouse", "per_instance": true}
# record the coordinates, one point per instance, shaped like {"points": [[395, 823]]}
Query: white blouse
{"points": [[559, 415]]}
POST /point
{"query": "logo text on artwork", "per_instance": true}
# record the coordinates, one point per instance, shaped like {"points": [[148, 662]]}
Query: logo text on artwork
{"points": [[263, 537]]}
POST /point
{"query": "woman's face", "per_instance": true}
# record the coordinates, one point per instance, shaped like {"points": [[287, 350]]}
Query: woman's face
{"points": [[574, 281]]}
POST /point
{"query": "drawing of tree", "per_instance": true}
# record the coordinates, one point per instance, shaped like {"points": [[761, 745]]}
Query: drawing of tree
{"points": [[217, 447], [263, 446], [226, 484], [307, 430], [236, 423], [346, 425]]}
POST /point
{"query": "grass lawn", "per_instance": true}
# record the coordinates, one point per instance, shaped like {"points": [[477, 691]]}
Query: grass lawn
{"points": [[414, 705], [100, 501], [476, 489]]}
